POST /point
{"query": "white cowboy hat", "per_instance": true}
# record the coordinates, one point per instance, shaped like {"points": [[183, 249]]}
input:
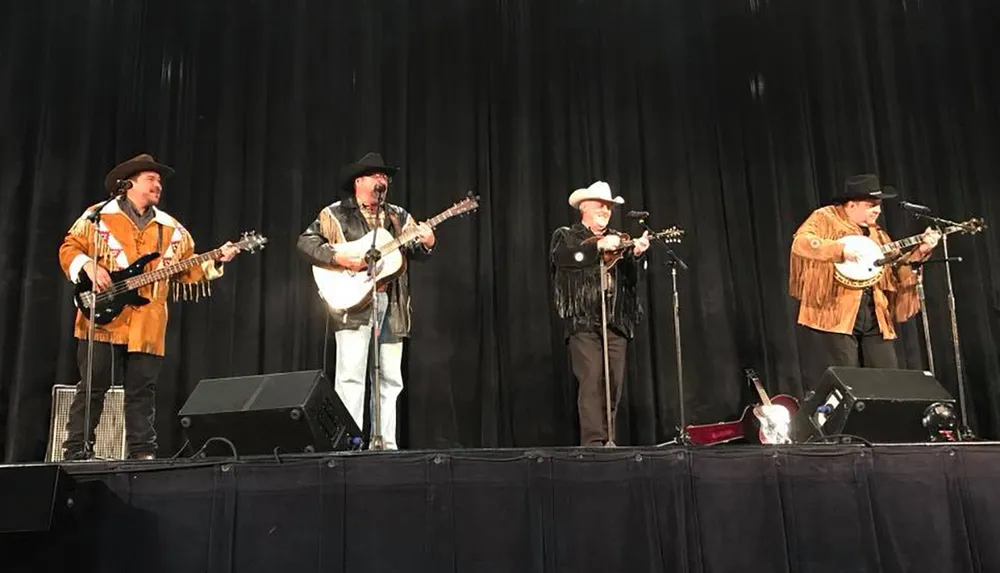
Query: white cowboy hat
{"points": [[598, 190]]}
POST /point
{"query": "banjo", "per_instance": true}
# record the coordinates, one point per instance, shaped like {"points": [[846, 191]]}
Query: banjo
{"points": [[867, 270]]}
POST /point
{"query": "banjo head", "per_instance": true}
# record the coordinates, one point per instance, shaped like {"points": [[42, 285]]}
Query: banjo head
{"points": [[863, 272]]}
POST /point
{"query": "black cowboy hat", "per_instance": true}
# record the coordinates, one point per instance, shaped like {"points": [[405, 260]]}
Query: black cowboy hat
{"points": [[370, 163], [865, 186], [137, 164]]}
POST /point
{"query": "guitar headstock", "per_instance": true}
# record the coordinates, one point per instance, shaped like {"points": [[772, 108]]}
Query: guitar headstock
{"points": [[671, 235], [973, 225], [751, 375], [251, 242], [467, 205]]}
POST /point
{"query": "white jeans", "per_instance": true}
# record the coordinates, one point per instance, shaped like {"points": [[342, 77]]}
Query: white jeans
{"points": [[352, 370]]}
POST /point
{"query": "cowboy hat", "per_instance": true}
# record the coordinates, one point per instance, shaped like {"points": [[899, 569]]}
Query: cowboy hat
{"points": [[137, 164], [598, 191], [370, 163], [864, 186]]}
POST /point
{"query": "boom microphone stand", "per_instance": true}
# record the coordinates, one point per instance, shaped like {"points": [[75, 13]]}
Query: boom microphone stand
{"points": [[377, 442], [91, 300], [964, 432]]}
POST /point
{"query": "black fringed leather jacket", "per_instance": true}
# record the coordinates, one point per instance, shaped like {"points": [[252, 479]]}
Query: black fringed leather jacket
{"points": [[577, 284]]}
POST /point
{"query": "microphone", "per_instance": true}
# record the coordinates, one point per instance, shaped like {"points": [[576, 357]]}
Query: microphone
{"points": [[638, 214], [914, 207], [380, 188], [124, 185]]}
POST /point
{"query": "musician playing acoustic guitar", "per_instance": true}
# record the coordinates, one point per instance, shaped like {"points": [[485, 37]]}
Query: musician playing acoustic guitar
{"points": [[367, 181], [845, 323], [577, 285]]}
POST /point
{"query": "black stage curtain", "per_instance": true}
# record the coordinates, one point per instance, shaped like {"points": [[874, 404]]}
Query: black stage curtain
{"points": [[732, 119], [828, 509]]}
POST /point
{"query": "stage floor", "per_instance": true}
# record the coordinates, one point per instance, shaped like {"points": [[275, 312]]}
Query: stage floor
{"points": [[816, 508]]}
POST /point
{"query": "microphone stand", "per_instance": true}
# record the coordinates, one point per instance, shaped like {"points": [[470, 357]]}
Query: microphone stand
{"points": [[604, 334], [673, 261], [372, 257], [88, 383], [964, 432], [918, 267]]}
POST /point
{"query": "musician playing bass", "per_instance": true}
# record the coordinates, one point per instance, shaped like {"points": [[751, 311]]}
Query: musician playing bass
{"points": [[577, 286], [367, 181], [133, 344], [843, 324]]}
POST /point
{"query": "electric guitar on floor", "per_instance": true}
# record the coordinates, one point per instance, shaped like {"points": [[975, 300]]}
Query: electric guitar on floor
{"points": [[345, 290], [126, 282], [767, 422]]}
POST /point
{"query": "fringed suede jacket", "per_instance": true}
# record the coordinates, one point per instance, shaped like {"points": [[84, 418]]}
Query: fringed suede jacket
{"points": [[343, 221], [827, 305], [577, 284], [120, 241]]}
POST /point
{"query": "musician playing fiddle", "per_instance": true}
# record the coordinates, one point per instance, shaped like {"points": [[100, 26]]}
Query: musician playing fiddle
{"points": [[576, 277], [841, 324]]}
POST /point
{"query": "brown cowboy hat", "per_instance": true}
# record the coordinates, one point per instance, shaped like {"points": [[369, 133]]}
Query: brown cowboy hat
{"points": [[370, 163], [864, 186], [137, 164]]}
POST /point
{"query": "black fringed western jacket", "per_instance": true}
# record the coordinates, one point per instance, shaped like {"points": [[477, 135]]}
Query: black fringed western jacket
{"points": [[577, 284]]}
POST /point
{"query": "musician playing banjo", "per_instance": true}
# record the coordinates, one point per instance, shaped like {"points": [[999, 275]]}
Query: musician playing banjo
{"points": [[848, 300], [576, 276], [367, 181]]}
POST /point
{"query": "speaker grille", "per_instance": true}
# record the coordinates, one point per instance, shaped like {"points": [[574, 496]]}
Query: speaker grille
{"points": [[110, 444]]}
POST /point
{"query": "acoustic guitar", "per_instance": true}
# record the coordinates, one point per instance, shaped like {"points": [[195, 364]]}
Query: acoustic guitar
{"points": [[345, 290], [766, 422]]}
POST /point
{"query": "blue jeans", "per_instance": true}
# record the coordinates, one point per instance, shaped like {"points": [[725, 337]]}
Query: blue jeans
{"points": [[352, 370]]}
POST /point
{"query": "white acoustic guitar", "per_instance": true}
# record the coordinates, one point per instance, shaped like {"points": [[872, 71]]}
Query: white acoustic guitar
{"points": [[867, 270], [345, 290]]}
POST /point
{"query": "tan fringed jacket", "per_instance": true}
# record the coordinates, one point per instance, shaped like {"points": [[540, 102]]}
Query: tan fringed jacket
{"points": [[119, 243], [824, 303]]}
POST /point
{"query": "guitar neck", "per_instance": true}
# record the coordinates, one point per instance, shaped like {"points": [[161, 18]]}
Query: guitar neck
{"points": [[170, 270], [411, 234], [760, 389]]}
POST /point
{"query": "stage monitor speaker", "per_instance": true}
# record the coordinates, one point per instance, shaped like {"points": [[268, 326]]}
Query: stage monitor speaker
{"points": [[289, 412], [877, 404], [34, 498]]}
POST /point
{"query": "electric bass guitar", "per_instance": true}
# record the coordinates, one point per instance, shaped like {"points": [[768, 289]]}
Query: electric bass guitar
{"points": [[767, 422], [867, 270], [126, 282], [345, 290], [611, 257]]}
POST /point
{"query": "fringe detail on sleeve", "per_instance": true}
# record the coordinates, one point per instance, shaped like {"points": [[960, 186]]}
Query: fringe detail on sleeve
{"points": [[191, 291], [812, 282], [86, 230]]}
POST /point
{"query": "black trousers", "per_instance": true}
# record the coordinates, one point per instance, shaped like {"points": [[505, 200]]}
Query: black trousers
{"points": [[864, 347], [587, 361], [139, 371]]}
